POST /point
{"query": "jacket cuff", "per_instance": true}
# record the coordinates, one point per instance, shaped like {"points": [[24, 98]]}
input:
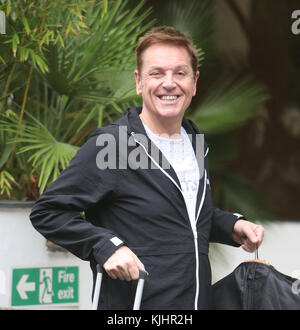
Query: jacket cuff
{"points": [[103, 252], [234, 219], [238, 216]]}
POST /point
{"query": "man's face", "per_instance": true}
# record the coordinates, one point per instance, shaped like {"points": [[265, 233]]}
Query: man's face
{"points": [[166, 81]]}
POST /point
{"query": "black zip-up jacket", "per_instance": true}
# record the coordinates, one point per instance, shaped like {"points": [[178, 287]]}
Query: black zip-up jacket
{"points": [[91, 212]]}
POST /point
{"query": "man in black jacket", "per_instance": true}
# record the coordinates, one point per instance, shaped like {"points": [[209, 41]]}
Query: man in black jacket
{"points": [[143, 185]]}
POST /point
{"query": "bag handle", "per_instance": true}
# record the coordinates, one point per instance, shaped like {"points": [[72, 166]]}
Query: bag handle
{"points": [[138, 293]]}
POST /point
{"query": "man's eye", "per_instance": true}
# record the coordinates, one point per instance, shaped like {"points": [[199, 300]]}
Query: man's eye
{"points": [[154, 74], [181, 73]]}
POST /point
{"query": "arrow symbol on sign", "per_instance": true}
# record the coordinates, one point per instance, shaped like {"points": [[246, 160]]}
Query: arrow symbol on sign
{"points": [[24, 286]]}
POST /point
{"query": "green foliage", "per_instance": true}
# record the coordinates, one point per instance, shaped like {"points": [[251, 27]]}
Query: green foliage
{"points": [[6, 181], [47, 154], [60, 80], [229, 105]]}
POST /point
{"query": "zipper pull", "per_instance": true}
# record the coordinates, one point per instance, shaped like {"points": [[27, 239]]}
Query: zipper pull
{"points": [[133, 135]]}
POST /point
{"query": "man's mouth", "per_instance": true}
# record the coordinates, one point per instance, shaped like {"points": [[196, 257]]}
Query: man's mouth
{"points": [[168, 97]]}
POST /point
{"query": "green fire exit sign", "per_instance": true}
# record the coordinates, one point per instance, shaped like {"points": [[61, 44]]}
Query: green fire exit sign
{"points": [[45, 286]]}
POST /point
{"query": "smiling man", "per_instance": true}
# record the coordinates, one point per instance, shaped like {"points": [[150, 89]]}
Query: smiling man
{"points": [[167, 82], [156, 218]]}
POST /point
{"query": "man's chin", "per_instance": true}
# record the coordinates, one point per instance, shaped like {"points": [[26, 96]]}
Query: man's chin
{"points": [[169, 111]]}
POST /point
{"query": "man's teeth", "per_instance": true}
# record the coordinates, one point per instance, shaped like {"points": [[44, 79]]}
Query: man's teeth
{"points": [[168, 97]]}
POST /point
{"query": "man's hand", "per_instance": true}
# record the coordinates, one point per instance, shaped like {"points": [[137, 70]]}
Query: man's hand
{"points": [[123, 264], [248, 234]]}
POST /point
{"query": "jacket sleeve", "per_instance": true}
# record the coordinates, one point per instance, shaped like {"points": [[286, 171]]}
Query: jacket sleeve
{"points": [[222, 226], [58, 213]]}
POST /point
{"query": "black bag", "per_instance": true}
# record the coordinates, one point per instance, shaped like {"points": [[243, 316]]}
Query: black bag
{"points": [[256, 286]]}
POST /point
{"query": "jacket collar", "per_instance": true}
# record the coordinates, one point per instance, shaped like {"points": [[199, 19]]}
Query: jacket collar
{"points": [[134, 124], [132, 121]]}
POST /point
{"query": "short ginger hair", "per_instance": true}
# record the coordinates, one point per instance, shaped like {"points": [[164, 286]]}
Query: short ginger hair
{"points": [[166, 35]]}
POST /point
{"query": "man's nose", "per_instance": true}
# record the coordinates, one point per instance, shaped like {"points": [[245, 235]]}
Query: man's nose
{"points": [[169, 82]]}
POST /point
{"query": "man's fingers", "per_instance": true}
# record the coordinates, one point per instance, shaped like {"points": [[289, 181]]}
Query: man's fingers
{"points": [[247, 245], [118, 271], [140, 265], [259, 231], [124, 273], [254, 237], [133, 268], [251, 235], [124, 265], [133, 272], [111, 273]]}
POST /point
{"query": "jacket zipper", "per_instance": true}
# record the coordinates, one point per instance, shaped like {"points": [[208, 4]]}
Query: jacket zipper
{"points": [[196, 243], [193, 224]]}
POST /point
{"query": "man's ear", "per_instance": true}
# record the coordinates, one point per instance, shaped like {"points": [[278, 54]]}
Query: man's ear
{"points": [[195, 83], [138, 82]]}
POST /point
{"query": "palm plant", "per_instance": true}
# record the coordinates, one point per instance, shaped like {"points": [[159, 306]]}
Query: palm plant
{"points": [[64, 72]]}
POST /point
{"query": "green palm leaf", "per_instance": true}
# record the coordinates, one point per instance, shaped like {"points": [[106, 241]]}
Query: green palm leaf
{"points": [[47, 155], [110, 43], [229, 106]]}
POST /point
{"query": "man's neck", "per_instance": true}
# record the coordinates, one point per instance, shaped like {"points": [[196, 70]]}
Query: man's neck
{"points": [[168, 127]]}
